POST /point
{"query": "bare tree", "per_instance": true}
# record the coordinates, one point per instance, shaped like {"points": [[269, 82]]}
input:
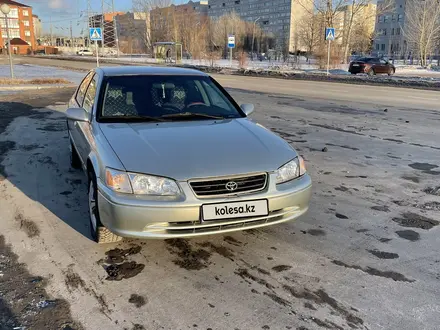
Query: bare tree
{"points": [[362, 37], [422, 28], [309, 32], [229, 24], [328, 10], [350, 14], [357, 14]]}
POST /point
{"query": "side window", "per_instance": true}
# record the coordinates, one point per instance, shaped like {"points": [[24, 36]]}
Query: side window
{"points": [[215, 98], [383, 62], [83, 88], [89, 99]]}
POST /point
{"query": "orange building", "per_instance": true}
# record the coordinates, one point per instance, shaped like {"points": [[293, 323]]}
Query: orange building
{"points": [[21, 24]]}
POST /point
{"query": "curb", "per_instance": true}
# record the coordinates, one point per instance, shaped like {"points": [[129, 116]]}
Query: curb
{"points": [[29, 88]]}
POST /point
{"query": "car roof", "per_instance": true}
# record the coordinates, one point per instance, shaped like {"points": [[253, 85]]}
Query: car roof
{"points": [[148, 70]]}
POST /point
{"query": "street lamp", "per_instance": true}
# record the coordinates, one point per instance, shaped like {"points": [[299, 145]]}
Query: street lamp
{"points": [[5, 9], [253, 34]]}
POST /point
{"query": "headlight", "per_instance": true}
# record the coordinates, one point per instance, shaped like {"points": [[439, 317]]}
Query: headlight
{"points": [[140, 184], [153, 185], [292, 170]]}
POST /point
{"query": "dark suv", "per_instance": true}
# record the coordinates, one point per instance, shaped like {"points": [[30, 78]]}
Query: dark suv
{"points": [[371, 66]]}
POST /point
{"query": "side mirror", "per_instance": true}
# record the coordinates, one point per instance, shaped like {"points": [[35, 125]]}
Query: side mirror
{"points": [[247, 109], [77, 114]]}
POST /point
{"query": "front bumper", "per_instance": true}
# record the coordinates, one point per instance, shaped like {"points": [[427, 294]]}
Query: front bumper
{"points": [[142, 217]]}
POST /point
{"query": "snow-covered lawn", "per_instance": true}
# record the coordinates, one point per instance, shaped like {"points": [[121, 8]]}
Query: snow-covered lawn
{"points": [[27, 71]]}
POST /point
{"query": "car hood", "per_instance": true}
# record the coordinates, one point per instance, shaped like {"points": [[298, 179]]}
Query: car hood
{"points": [[197, 149]]}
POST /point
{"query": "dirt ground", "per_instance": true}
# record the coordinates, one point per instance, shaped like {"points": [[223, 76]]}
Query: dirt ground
{"points": [[364, 257]]}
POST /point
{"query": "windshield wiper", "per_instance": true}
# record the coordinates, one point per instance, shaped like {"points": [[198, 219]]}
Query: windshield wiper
{"points": [[191, 115], [134, 118]]}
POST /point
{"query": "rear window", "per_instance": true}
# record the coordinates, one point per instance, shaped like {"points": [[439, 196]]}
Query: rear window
{"points": [[156, 96]]}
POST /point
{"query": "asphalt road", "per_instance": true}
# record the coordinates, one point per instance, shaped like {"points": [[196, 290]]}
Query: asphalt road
{"points": [[364, 257]]}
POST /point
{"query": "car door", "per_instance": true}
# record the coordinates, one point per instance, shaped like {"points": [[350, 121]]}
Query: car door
{"points": [[84, 129], [75, 127], [383, 66], [375, 64]]}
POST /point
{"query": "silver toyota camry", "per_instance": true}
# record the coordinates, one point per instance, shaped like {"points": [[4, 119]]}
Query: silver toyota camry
{"points": [[169, 153]]}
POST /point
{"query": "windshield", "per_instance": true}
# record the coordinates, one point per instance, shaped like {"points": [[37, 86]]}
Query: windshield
{"points": [[149, 98]]}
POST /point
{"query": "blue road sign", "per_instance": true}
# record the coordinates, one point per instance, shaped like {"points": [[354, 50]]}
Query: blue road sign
{"points": [[231, 41], [95, 34], [330, 34]]}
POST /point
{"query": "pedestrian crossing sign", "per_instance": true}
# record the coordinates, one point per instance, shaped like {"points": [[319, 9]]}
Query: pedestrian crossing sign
{"points": [[95, 34], [330, 34]]}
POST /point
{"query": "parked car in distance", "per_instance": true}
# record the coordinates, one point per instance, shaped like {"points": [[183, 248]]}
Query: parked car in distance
{"points": [[371, 66], [84, 52], [169, 153]]}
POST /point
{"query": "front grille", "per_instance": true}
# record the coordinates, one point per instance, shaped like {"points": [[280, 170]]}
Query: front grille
{"points": [[245, 184]]}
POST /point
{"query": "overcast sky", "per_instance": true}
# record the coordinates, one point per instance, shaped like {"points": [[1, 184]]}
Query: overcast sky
{"points": [[62, 12]]}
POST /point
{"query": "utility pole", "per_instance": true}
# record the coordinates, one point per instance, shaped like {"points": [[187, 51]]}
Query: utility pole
{"points": [[88, 23], [51, 31], [253, 37], [5, 9], [115, 27], [103, 29], [71, 35]]}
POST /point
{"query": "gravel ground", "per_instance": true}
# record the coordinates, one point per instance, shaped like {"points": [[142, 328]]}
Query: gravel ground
{"points": [[364, 257]]}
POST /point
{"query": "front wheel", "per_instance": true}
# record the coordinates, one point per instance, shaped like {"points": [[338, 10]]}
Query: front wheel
{"points": [[391, 72], [371, 72], [100, 234]]}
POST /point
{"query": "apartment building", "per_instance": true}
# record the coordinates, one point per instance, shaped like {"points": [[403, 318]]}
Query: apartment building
{"points": [[37, 26], [21, 26], [390, 38], [277, 18], [362, 27], [364, 16]]}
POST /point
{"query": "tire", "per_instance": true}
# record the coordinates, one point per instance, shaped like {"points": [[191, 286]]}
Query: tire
{"points": [[391, 72], [100, 234], [371, 72], [75, 161]]}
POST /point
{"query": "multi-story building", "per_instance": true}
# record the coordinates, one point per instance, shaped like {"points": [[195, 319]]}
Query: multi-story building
{"points": [[133, 31], [279, 18], [37, 26], [390, 38], [20, 22], [362, 26]]}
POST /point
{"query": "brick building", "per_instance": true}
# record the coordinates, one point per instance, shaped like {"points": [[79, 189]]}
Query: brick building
{"points": [[20, 22], [133, 32]]}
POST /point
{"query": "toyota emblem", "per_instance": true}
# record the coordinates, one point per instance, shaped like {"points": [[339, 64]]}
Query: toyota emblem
{"points": [[231, 186]]}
